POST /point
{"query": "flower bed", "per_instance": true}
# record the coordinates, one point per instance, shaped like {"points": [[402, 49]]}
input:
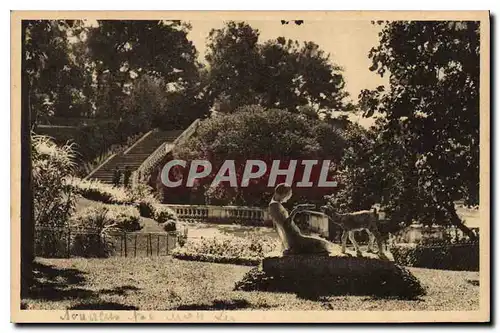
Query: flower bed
{"points": [[223, 249], [183, 254]]}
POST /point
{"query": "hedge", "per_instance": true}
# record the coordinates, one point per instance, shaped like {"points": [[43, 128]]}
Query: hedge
{"points": [[459, 256]]}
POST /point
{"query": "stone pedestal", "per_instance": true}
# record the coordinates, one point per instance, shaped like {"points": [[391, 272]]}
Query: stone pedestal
{"points": [[336, 263], [312, 276]]}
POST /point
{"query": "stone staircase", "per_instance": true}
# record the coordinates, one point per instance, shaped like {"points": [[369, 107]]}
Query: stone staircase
{"points": [[134, 155]]}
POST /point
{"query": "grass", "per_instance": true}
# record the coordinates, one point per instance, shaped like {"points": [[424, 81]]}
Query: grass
{"points": [[164, 283]]}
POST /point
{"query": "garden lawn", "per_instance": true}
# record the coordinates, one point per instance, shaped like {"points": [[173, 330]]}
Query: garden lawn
{"points": [[164, 283]]}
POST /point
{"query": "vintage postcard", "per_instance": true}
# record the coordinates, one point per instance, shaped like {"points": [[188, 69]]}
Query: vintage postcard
{"points": [[250, 167]]}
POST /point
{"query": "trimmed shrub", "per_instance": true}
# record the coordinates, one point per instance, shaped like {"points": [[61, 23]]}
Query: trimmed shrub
{"points": [[147, 208], [169, 226], [125, 218], [463, 256], [162, 214]]}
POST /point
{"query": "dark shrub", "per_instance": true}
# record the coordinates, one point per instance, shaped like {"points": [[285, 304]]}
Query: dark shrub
{"points": [[461, 256], [146, 209], [92, 245], [163, 214], [169, 226], [87, 227]]}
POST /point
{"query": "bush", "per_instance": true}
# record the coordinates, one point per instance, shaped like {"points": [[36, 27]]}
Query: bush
{"points": [[169, 226], [94, 222], [53, 197], [183, 254], [126, 218], [237, 250], [463, 256], [101, 216], [97, 191], [162, 214], [142, 192], [147, 208]]}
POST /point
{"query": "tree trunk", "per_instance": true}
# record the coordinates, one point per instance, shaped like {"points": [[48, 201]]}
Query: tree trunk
{"points": [[27, 223], [456, 221]]}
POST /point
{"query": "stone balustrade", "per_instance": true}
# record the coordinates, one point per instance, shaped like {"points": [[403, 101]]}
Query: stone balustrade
{"points": [[222, 214]]}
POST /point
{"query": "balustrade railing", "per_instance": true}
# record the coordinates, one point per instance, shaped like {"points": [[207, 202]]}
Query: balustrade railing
{"points": [[222, 214]]}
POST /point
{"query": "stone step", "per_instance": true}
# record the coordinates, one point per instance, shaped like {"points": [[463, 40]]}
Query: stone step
{"points": [[136, 156]]}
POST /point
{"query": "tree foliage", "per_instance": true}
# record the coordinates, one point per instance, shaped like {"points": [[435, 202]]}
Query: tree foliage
{"points": [[253, 132], [279, 73], [56, 79], [428, 142], [116, 79], [123, 51]]}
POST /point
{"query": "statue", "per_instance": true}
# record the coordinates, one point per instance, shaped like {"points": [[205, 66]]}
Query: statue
{"points": [[294, 242]]}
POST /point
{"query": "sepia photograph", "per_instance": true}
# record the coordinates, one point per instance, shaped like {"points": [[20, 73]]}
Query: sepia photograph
{"points": [[250, 166]]}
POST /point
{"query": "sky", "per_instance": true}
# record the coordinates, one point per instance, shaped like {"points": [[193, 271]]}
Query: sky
{"points": [[347, 41]]}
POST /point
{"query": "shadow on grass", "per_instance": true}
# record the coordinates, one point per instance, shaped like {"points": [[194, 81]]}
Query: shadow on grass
{"points": [[58, 276], [56, 284], [53, 284], [233, 304]]}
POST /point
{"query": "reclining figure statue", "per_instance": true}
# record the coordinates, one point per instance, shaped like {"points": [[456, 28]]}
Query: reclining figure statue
{"points": [[294, 242]]}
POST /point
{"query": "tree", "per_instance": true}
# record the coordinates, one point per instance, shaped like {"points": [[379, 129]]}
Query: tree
{"points": [[432, 108], [233, 58], [358, 175], [279, 73], [253, 132], [123, 51], [56, 78]]}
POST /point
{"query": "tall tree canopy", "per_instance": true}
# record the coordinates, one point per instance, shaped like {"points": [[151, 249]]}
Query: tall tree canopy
{"points": [[279, 73], [431, 110], [123, 51], [56, 79]]}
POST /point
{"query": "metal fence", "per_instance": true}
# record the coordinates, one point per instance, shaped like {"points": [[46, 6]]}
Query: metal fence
{"points": [[68, 242]]}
